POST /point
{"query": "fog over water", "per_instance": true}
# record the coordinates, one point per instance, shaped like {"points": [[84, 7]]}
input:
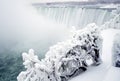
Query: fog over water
{"points": [[21, 28]]}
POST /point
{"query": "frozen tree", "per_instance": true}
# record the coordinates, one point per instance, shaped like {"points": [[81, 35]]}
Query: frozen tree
{"points": [[36, 70], [65, 59], [86, 44], [116, 51]]}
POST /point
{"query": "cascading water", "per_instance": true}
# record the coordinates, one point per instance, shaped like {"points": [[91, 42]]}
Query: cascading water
{"points": [[77, 15]]}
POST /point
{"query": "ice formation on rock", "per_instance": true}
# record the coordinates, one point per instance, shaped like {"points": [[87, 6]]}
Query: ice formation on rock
{"points": [[65, 59], [116, 51]]}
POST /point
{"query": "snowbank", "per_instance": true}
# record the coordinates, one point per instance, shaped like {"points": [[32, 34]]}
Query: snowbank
{"points": [[113, 74], [102, 71]]}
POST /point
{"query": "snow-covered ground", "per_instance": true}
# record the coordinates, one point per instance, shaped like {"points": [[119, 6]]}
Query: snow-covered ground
{"points": [[105, 71]]}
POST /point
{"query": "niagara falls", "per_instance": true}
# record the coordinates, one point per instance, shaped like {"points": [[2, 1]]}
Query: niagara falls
{"points": [[59, 40]]}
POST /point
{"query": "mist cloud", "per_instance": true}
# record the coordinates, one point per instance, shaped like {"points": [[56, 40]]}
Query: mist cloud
{"points": [[21, 27]]}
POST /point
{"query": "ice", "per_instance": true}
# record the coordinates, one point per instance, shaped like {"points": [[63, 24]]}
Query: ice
{"points": [[72, 57], [105, 71], [65, 59]]}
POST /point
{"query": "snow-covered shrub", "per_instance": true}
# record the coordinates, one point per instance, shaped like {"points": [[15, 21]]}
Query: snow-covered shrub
{"points": [[65, 59], [36, 70], [86, 44], [116, 51]]}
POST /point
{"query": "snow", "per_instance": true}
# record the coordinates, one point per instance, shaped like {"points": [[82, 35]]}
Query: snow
{"points": [[67, 59], [99, 73], [109, 6], [113, 74], [105, 71]]}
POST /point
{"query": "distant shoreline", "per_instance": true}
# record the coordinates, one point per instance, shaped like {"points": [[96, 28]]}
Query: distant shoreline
{"points": [[78, 4], [74, 3]]}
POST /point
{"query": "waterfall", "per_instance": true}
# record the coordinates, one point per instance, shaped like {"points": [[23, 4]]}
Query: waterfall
{"points": [[78, 16]]}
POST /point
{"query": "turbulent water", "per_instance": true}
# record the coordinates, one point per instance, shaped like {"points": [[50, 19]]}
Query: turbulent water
{"points": [[31, 36]]}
